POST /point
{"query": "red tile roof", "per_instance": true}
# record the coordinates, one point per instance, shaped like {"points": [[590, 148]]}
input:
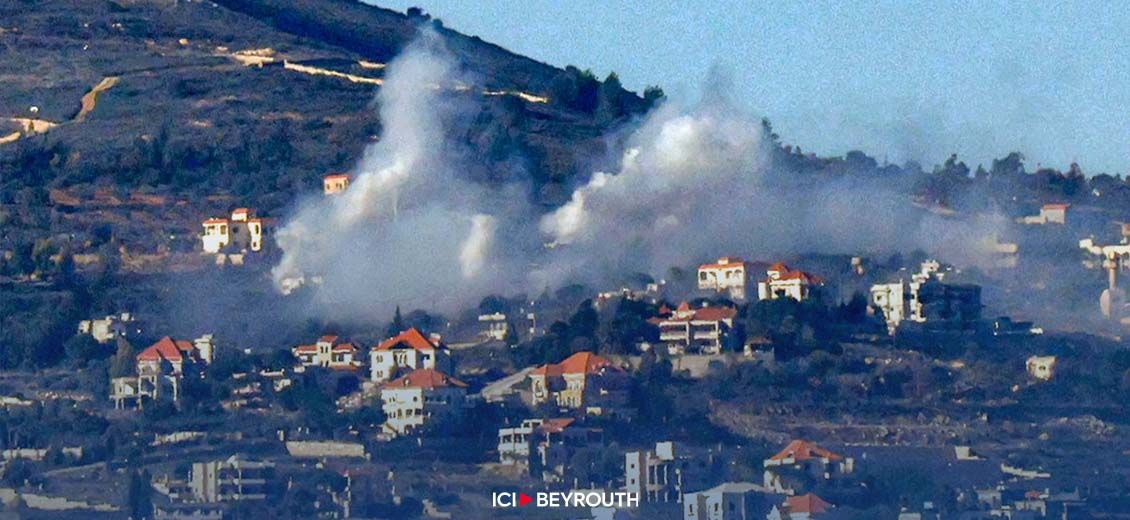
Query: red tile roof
{"points": [[328, 338], [780, 267], [787, 273], [167, 349], [725, 262], [1056, 206], [411, 338], [336, 176], [215, 221], [555, 425], [801, 450], [344, 347], [425, 378], [579, 363], [306, 349], [701, 314], [807, 504]]}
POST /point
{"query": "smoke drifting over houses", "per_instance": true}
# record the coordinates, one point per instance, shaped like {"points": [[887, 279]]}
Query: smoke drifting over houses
{"points": [[691, 183]]}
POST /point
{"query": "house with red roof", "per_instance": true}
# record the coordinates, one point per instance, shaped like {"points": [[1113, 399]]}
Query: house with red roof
{"points": [[1052, 213], [783, 281], [160, 368], [422, 398], [335, 183], [729, 275], [407, 351], [694, 330], [583, 381], [803, 460], [803, 507], [550, 443], [330, 352]]}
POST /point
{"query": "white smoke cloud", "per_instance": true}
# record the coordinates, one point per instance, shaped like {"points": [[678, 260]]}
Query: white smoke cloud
{"points": [[691, 184], [408, 230]]}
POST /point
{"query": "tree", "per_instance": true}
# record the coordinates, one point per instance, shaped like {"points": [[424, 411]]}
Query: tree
{"points": [[397, 325]]}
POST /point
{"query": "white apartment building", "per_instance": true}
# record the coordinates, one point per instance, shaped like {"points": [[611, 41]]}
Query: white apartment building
{"points": [[656, 476], [784, 282], [701, 330], [546, 443]]}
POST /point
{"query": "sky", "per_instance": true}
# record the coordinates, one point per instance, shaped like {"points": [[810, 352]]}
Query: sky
{"points": [[897, 80]]}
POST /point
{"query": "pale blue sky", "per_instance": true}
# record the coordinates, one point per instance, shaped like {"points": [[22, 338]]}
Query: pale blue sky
{"points": [[895, 79]]}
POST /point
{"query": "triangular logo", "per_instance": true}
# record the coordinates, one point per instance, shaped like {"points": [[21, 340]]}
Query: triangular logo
{"points": [[524, 499]]}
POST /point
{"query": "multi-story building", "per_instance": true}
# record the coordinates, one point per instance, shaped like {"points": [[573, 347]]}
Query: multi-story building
{"points": [[729, 275], [407, 351], [802, 460], [160, 369], [730, 501], [583, 381], [494, 326], [243, 232], [656, 476], [700, 330], [784, 282], [423, 397], [925, 298], [545, 446], [329, 352], [234, 479], [335, 183]]}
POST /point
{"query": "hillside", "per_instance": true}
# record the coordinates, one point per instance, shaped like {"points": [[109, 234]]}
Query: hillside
{"points": [[255, 98]]}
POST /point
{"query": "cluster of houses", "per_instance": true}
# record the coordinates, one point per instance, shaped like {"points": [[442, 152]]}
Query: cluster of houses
{"points": [[736, 279]]}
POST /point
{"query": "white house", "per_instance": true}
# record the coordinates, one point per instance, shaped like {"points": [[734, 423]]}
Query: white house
{"points": [[407, 351], [729, 501], [1049, 214], [160, 368], [106, 329], [243, 231], [329, 352], [422, 397], [804, 507], [657, 476], [784, 282], [494, 326], [729, 275], [698, 330], [1041, 367]]}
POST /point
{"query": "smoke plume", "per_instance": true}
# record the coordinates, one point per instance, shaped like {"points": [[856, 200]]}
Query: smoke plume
{"points": [[692, 183]]}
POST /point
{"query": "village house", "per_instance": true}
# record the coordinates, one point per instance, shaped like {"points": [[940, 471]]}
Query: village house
{"points": [[656, 476], [106, 329], [407, 351], [1049, 214], [700, 330], [927, 299], [160, 370], [784, 282], [329, 352], [234, 479], [494, 326], [335, 183], [424, 397], [804, 507], [1041, 368], [802, 460], [241, 233], [730, 501], [731, 276], [545, 446], [584, 382]]}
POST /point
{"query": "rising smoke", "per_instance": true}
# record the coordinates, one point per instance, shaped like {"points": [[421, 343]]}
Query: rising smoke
{"points": [[692, 183]]}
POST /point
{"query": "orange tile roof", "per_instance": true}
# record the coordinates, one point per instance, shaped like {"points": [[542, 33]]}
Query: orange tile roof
{"points": [[555, 425], [701, 314], [780, 267], [808, 503], [336, 176], [579, 363], [345, 347], [801, 450], [215, 221], [425, 378], [328, 338], [724, 262], [411, 338], [169, 350], [306, 349], [1056, 206]]}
